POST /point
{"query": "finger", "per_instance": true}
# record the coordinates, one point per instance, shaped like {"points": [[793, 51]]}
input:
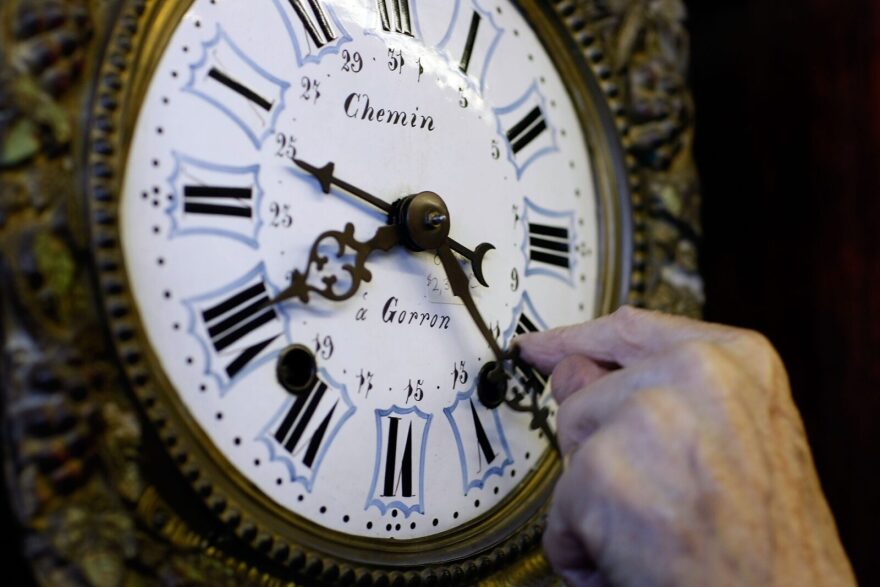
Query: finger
{"points": [[572, 374], [587, 409], [624, 337]]}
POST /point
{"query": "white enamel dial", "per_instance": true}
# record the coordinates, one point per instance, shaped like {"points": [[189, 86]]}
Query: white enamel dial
{"points": [[456, 97]]}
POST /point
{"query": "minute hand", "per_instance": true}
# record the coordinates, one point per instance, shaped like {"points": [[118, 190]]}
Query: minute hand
{"points": [[459, 283], [326, 179], [497, 376]]}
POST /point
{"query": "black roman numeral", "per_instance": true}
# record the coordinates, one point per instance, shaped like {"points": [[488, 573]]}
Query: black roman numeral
{"points": [[240, 89], [528, 373], [218, 200], [469, 44], [403, 479], [525, 325], [290, 433], [398, 17], [526, 130], [236, 317], [549, 244], [318, 28], [486, 449]]}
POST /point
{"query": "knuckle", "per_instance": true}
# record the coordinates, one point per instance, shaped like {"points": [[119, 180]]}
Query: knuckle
{"points": [[699, 361], [630, 324], [712, 374], [653, 411], [759, 358]]}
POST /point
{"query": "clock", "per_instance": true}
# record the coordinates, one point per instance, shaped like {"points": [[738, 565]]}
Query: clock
{"points": [[316, 229]]}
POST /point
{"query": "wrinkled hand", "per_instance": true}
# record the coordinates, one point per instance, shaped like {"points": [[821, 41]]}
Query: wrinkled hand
{"points": [[687, 462]]}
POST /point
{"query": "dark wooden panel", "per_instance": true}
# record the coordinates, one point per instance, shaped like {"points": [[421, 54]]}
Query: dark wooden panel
{"points": [[787, 98]]}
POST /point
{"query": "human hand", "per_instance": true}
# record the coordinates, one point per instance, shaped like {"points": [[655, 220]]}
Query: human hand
{"points": [[686, 459]]}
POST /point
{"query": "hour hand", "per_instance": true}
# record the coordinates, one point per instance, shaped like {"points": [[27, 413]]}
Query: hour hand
{"points": [[326, 179], [353, 274]]}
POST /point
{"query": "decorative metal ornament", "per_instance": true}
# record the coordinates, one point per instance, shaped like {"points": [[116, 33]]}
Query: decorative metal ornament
{"points": [[110, 477]]}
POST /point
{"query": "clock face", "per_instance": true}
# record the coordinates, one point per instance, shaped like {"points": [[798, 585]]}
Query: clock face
{"points": [[457, 97]]}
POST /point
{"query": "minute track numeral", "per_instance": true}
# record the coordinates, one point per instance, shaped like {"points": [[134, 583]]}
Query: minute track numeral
{"points": [[395, 16]]}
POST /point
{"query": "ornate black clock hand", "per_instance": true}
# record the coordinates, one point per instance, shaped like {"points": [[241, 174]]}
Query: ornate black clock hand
{"points": [[385, 239], [458, 281], [492, 387], [326, 179]]}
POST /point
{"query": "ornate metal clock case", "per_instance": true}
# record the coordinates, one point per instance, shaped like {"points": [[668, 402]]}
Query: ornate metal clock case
{"points": [[190, 395]]}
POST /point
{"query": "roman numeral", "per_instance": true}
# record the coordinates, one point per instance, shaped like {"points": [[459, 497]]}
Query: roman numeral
{"points": [[550, 245], [525, 325], [550, 236], [302, 430], [482, 447], [217, 200], [398, 475], [486, 449], [396, 20], [528, 374], [399, 471], [469, 43], [529, 134], [304, 411], [236, 326], [238, 87], [526, 130], [527, 322], [237, 317], [314, 21], [214, 200]]}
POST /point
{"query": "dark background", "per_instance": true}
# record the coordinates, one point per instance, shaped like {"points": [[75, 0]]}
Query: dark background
{"points": [[788, 147], [787, 95]]}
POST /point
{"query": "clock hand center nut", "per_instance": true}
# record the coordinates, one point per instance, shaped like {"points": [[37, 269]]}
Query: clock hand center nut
{"points": [[423, 220]]}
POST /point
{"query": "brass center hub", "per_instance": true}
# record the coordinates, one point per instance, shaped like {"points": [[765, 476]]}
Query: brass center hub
{"points": [[424, 221]]}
